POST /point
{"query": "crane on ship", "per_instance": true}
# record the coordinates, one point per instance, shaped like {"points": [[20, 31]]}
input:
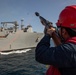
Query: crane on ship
{"points": [[14, 23]]}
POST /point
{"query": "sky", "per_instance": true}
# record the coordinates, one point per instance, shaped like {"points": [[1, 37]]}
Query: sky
{"points": [[17, 10]]}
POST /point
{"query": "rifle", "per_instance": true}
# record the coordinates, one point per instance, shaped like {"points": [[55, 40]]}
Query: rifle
{"points": [[45, 22], [47, 25]]}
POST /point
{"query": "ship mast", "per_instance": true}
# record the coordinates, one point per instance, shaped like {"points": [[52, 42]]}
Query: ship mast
{"points": [[22, 24]]}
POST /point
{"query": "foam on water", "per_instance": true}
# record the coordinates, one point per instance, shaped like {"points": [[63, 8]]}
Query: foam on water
{"points": [[12, 52]]}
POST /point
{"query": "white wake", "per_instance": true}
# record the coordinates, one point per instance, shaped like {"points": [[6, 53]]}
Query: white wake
{"points": [[12, 52]]}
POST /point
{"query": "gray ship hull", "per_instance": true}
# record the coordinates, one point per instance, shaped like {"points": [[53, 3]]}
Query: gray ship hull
{"points": [[20, 40]]}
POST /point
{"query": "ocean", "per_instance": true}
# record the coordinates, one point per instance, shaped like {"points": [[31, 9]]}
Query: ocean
{"points": [[20, 63]]}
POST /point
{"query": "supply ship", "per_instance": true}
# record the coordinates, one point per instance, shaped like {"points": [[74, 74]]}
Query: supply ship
{"points": [[15, 38]]}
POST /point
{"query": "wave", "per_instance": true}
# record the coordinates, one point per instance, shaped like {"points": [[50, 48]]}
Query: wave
{"points": [[17, 51]]}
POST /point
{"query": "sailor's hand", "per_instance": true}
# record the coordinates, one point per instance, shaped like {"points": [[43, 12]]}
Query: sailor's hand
{"points": [[50, 31]]}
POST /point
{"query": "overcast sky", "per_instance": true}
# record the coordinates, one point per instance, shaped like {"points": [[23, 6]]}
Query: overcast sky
{"points": [[15, 10]]}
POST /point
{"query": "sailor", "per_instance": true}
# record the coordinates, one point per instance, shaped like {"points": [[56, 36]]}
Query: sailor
{"points": [[62, 57], [37, 39]]}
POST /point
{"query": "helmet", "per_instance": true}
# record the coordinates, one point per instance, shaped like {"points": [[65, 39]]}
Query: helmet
{"points": [[67, 17]]}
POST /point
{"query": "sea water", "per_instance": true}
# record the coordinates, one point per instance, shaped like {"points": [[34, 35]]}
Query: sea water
{"points": [[20, 63]]}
